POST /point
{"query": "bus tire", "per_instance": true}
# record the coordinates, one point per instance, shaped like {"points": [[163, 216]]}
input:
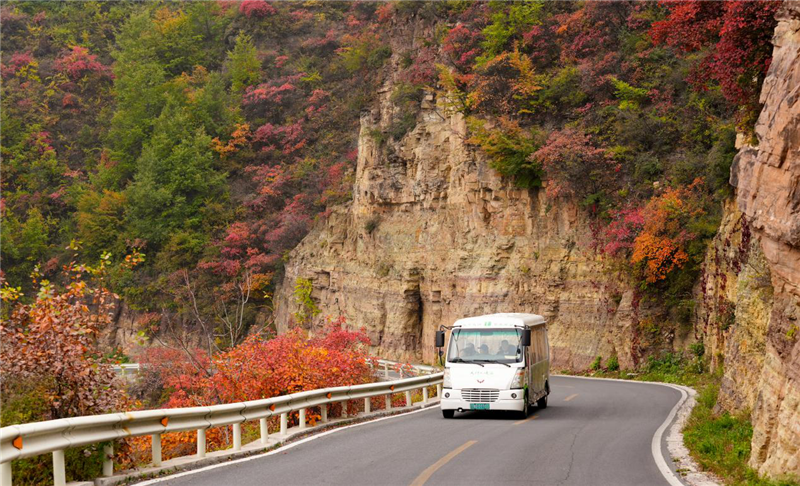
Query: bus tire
{"points": [[542, 402], [523, 414], [448, 413]]}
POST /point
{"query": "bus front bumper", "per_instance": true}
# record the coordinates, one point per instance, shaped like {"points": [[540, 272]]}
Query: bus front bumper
{"points": [[503, 402]]}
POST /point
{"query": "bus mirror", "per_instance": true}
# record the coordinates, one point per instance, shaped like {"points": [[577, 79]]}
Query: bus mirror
{"points": [[526, 337], [439, 339]]}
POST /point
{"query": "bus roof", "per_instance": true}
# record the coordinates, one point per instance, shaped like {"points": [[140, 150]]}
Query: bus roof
{"points": [[502, 320]]}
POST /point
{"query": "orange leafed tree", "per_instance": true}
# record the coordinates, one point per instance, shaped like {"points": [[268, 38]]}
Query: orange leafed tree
{"points": [[661, 246], [51, 346]]}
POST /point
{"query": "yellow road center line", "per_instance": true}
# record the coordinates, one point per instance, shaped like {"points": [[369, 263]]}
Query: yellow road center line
{"points": [[570, 397], [426, 474], [532, 417]]}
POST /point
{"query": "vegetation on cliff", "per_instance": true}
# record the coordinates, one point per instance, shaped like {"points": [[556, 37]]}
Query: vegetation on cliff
{"points": [[209, 136]]}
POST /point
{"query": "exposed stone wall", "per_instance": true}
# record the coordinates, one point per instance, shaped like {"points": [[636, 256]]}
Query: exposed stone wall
{"points": [[433, 234], [734, 304], [767, 178]]}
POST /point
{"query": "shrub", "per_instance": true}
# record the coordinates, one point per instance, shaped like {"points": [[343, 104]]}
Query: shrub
{"points": [[77, 63], [50, 345], [663, 244], [509, 147], [613, 363], [257, 8], [596, 364], [307, 308], [257, 368], [735, 40], [574, 166], [365, 51]]}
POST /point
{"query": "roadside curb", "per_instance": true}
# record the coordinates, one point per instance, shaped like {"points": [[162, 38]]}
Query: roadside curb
{"points": [[684, 463]]}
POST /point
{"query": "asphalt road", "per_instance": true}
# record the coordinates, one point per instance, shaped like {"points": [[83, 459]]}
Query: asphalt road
{"points": [[592, 433]]}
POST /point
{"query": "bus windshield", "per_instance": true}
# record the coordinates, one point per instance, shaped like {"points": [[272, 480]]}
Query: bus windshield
{"points": [[485, 345]]}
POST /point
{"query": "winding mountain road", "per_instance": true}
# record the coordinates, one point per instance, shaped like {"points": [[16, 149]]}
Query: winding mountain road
{"points": [[594, 432]]}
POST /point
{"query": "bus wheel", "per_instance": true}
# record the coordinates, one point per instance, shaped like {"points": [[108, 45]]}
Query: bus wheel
{"points": [[448, 413], [542, 402], [523, 414]]}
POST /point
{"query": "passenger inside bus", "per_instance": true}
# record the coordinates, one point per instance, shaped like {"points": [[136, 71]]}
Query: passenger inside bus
{"points": [[469, 350], [506, 349]]}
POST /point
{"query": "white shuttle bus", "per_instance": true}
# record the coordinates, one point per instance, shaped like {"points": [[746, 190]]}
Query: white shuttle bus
{"points": [[496, 362]]}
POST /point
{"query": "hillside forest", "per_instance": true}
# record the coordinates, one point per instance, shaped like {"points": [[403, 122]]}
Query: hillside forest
{"points": [[165, 157]]}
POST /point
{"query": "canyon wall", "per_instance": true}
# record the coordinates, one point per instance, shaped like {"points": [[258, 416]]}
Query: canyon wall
{"points": [[767, 181], [434, 234]]}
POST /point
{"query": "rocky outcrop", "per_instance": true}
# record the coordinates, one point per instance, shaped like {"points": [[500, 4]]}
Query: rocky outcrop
{"points": [[433, 234], [734, 305], [767, 180]]}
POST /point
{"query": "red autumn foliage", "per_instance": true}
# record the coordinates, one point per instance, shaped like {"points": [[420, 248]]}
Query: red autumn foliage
{"points": [[661, 246], [257, 8], [77, 63], [736, 37], [422, 70], [617, 237], [278, 91], [18, 61], [462, 45], [52, 343], [262, 368], [574, 165]]}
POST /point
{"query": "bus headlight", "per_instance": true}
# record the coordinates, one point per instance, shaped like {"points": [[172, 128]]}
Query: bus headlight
{"points": [[446, 380], [519, 379]]}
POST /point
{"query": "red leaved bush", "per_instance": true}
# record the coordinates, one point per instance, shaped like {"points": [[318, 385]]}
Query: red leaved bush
{"points": [[77, 63], [574, 165], [259, 367], [256, 8], [736, 36], [51, 345], [618, 236], [262, 368]]}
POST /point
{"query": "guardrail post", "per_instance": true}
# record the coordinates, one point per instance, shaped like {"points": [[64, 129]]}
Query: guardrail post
{"points": [[344, 409], [425, 394], [302, 418], [439, 391], [237, 437], [108, 460], [284, 423], [367, 405], [156, 449], [201, 442], [264, 431], [324, 412], [389, 401], [386, 370], [5, 474], [408, 399], [59, 470]]}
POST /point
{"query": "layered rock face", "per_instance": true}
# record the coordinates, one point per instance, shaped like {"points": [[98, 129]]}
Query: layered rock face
{"points": [[433, 234], [767, 180], [734, 305]]}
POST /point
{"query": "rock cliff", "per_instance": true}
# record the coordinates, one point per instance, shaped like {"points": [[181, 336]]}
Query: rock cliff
{"points": [[767, 181], [433, 234]]}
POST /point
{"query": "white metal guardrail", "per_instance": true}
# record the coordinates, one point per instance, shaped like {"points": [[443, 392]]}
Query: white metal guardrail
{"points": [[54, 436], [386, 365], [402, 368]]}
